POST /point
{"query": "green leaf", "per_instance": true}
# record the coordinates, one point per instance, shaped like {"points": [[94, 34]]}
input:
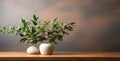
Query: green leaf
{"points": [[55, 19], [11, 29], [33, 41], [3, 29], [52, 39], [72, 23], [35, 17], [34, 22], [24, 33], [41, 38], [23, 40], [64, 32], [70, 28], [21, 35], [50, 33], [33, 30], [23, 20], [60, 37], [18, 28], [63, 25]]}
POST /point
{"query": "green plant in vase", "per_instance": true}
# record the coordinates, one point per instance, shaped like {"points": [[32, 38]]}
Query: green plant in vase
{"points": [[46, 32]]}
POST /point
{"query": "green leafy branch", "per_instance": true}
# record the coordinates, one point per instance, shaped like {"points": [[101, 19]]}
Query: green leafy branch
{"points": [[33, 32]]}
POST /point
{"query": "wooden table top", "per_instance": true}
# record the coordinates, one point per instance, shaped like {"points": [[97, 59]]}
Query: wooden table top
{"points": [[57, 55]]}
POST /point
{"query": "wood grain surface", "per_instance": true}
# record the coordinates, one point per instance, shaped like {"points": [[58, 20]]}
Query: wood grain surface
{"points": [[61, 56]]}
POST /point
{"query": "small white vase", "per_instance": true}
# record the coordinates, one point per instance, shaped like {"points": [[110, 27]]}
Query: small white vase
{"points": [[46, 48], [33, 50]]}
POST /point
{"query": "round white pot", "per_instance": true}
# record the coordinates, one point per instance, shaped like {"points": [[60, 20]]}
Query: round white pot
{"points": [[46, 48], [33, 50]]}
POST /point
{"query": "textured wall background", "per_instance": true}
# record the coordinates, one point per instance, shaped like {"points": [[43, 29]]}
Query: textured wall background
{"points": [[97, 28]]}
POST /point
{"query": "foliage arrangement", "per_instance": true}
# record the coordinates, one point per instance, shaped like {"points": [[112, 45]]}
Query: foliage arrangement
{"points": [[33, 31]]}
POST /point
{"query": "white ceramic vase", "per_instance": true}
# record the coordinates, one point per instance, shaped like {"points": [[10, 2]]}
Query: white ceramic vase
{"points": [[46, 48], [33, 50]]}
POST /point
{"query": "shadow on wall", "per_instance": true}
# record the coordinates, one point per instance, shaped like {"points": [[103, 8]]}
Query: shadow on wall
{"points": [[97, 28]]}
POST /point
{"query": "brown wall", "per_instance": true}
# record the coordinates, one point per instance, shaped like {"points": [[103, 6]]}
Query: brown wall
{"points": [[97, 22]]}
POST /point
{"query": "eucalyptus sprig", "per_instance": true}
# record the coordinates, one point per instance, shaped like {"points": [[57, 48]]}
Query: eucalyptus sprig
{"points": [[46, 32]]}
